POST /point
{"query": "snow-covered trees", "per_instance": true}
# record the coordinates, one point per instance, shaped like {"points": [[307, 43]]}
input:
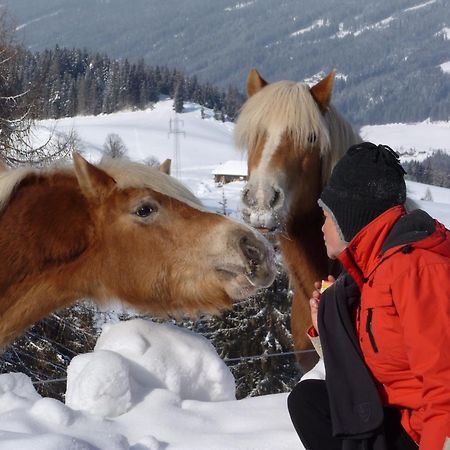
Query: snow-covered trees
{"points": [[434, 169], [71, 82], [18, 101], [45, 351]]}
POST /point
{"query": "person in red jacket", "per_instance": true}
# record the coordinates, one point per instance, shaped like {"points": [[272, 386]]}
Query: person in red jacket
{"points": [[384, 324]]}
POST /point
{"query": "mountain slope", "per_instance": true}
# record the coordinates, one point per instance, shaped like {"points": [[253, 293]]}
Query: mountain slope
{"points": [[391, 56]]}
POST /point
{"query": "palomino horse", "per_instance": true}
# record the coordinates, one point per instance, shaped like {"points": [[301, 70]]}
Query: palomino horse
{"points": [[117, 231], [293, 137]]}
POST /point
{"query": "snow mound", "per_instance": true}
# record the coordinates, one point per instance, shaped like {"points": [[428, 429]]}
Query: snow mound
{"points": [[134, 358], [99, 384], [30, 422], [16, 391]]}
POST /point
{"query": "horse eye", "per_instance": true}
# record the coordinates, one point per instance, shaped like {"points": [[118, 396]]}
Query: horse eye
{"points": [[312, 138], [145, 210]]}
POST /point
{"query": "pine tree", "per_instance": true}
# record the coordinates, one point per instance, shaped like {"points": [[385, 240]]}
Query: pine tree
{"points": [[251, 339], [46, 349]]}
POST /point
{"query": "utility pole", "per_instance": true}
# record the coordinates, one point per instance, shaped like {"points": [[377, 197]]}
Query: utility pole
{"points": [[174, 128]]}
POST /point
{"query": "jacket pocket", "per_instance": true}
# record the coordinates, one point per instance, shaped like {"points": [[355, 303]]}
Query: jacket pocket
{"points": [[369, 330], [378, 313]]}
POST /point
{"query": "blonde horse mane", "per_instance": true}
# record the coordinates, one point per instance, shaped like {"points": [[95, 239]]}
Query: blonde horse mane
{"points": [[288, 107], [125, 173]]}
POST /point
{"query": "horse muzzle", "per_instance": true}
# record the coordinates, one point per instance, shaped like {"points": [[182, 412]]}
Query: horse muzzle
{"points": [[266, 221], [254, 269]]}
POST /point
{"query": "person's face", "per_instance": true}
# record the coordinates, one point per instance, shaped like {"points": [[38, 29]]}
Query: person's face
{"points": [[333, 241]]}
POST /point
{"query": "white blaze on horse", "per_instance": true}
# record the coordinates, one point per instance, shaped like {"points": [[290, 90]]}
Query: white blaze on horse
{"points": [[294, 137], [118, 231]]}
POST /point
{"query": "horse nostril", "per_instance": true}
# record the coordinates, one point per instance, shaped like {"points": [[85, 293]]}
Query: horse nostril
{"points": [[277, 198], [245, 197], [251, 250]]}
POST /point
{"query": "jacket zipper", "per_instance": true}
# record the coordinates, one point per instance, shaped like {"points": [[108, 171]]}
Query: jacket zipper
{"points": [[369, 330]]}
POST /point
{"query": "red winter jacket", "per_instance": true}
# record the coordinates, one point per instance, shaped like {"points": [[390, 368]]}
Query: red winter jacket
{"points": [[403, 322]]}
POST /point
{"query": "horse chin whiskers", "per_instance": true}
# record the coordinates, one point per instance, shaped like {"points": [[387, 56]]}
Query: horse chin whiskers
{"points": [[247, 276], [284, 234]]}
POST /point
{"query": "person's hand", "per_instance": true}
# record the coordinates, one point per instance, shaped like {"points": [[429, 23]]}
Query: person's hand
{"points": [[315, 300]]}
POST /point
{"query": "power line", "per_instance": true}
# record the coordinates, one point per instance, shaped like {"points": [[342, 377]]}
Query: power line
{"points": [[54, 380], [174, 128], [269, 355], [241, 358]]}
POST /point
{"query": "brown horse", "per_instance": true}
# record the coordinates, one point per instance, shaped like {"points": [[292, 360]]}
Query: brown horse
{"points": [[293, 137], [117, 231]]}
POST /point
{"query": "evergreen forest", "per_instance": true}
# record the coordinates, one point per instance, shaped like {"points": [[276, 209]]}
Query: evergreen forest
{"points": [[70, 82]]}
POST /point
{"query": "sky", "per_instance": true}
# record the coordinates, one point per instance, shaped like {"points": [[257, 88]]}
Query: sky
{"points": [[149, 386]]}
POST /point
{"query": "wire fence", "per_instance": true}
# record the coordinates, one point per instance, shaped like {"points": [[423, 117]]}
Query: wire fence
{"points": [[240, 358]]}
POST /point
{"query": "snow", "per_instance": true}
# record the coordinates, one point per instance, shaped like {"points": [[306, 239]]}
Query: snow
{"points": [[240, 6], [446, 32], [445, 67], [342, 33], [382, 24], [38, 19], [207, 144], [313, 79], [146, 386], [317, 24], [422, 5], [378, 25], [150, 386], [412, 141], [238, 168]]}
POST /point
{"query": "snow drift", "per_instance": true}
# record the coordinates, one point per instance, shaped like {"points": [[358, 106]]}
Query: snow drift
{"points": [[146, 386]]}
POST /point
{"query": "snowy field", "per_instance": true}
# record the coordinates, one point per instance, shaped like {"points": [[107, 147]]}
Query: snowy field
{"points": [[150, 386], [411, 140]]}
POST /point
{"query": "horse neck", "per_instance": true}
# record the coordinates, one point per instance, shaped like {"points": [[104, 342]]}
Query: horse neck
{"points": [[304, 250], [28, 302], [342, 136], [44, 236]]}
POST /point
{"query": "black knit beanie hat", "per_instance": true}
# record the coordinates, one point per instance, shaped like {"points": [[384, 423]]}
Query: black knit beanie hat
{"points": [[367, 181]]}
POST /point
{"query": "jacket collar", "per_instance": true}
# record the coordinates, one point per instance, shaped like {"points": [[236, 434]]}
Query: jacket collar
{"points": [[392, 231], [363, 253]]}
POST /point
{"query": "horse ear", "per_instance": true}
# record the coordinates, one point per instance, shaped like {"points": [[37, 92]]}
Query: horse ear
{"points": [[93, 182], [322, 91], [165, 166], [255, 82]]}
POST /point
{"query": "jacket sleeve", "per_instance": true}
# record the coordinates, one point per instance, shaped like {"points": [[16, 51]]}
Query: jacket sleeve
{"points": [[422, 299], [315, 341]]}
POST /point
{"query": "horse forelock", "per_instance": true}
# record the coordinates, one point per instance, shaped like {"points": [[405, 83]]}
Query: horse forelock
{"points": [[288, 107], [280, 107], [125, 173]]}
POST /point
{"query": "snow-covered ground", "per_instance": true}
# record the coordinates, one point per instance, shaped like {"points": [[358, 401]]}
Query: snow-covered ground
{"points": [[411, 140], [151, 386], [146, 386], [204, 145]]}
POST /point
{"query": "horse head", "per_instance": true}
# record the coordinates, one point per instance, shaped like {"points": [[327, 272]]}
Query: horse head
{"points": [[119, 230], [286, 127]]}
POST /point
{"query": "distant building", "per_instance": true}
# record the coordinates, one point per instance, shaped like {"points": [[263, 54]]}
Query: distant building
{"points": [[230, 171]]}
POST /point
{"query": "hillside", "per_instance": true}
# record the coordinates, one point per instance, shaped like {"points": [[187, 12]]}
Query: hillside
{"points": [[392, 57]]}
